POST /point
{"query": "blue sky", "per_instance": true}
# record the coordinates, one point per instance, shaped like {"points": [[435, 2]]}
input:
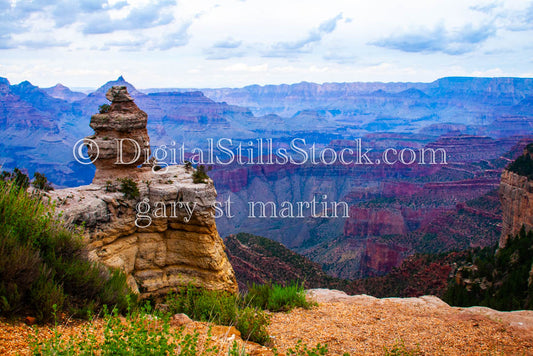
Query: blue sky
{"points": [[232, 43]]}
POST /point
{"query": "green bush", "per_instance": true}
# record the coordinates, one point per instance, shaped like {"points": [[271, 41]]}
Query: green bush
{"points": [[199, 175], [102, 109], [203, 305], [44, 264], [523, 165], [275, 297], [221, 308], [139, 334], [253, 323], [41, 182], [129, 188], [498, 278], [17, 177]]}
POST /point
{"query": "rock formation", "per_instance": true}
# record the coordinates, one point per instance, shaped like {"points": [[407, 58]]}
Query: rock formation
{"points": [[163, 235], [516, 196], [121, 140]]}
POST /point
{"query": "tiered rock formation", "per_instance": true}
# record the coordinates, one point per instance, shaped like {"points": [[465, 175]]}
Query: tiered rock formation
{"points": [[120, 136], [516, 196], [153, 238]]}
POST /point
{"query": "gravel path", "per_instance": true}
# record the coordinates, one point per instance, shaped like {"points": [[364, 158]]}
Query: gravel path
{"points": [[364, 325]]}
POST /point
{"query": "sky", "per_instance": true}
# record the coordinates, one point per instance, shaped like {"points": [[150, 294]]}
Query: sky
{"points": [[233, 43]]}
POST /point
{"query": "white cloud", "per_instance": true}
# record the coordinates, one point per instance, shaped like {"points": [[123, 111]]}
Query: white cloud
{"points": [[194, 43]]}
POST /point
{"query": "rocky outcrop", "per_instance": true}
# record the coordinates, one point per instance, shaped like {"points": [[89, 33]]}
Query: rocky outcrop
{"points": [[156, 225], [516, 196], [121, 140]]}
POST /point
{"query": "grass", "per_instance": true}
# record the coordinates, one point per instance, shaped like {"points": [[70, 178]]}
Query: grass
{"points": [[44, 264], [301, 349], [275, 297], [223, 309], [246, 313]]}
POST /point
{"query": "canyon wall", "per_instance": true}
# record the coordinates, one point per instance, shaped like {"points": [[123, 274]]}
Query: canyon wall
{"points": [[516, 196]]}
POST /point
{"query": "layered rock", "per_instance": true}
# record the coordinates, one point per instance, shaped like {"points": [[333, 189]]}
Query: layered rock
{"points": [[121, 140], [163, 236], [516, 196]]}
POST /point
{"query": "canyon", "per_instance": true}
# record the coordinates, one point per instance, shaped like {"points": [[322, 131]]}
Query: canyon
{"points": [[395, 210]]}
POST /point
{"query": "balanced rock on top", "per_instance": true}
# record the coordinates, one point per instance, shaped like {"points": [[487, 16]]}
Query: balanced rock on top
{"points": [[120, 141]]}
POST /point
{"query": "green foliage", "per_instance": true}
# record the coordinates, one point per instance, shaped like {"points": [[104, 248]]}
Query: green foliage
{"points": [[301, 349], [43, 263], [523, 165], [221, 308], [41, 182], [17, 177], [497, 278], [102, 109], [253, 323], [200, 175], [129, 188], [399, 349], [275, 297], [141, 333]]}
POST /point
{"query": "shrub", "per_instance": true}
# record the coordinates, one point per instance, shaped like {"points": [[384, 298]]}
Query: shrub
{"points": [[253, 323], [276, 297], [43, 263], [17, 177], [200, 175], [523, 165], [204, 305], [41, 182], [102, 109], [220, 308], [129, 188], [139, 334]]}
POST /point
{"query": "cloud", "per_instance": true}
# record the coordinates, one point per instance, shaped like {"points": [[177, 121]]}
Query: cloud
{"points": [[486, 8], [174, 39], [518, 20], [6, 42], [439, 39], [38, 43], [127, 44], [226, 49], [338, 57], [283, 49], [228, 43], [148, 16]]}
